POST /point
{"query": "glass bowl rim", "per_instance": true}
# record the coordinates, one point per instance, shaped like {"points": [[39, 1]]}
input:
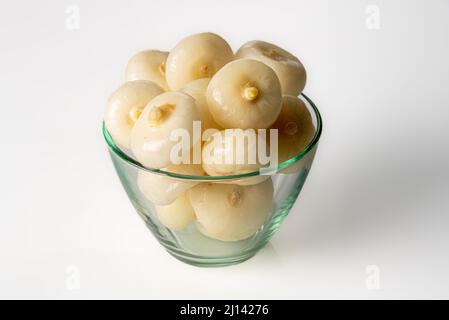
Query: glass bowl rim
{"points": [[114, 148]]}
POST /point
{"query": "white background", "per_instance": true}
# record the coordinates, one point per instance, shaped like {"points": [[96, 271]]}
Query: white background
{"points": [[378, 193]]}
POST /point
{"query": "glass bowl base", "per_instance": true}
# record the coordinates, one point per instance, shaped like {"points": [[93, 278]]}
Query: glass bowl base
{"points": [[208, 262]]}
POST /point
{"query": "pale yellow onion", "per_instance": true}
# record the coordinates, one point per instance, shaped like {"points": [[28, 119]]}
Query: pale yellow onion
{"points": [[289, 69], [177, 215], [244, 94], [163, 190], [150, 138], [197, 89], [197, 56], [148, 65], [231, 212], [125, 106], [295, 130]]}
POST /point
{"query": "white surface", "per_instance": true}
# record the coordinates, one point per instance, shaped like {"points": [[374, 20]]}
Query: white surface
{"points": [[377, 193]]}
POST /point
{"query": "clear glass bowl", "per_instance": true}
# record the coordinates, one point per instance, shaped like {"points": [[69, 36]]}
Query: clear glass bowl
{"points": [[190, 245]]}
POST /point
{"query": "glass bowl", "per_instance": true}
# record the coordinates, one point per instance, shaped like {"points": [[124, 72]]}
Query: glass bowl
{"points": [[189, 244]]}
